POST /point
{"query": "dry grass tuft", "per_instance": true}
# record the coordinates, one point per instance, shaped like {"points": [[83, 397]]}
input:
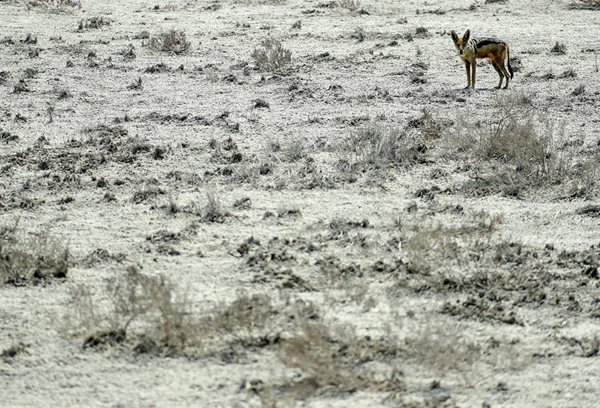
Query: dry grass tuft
{"points": [[133, 306], [427, 246], [92, 23], [378, 147], [335, 358], [246, 318], [31, 258], [172, 41], [213, 211], [271, 55], [517, 136]]}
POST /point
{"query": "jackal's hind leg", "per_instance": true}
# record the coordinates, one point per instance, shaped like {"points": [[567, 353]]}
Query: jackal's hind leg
{"points": [[500, 73], [504, 71]]}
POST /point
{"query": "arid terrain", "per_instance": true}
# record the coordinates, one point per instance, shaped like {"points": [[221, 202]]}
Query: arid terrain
{"points": [[295, 203]]}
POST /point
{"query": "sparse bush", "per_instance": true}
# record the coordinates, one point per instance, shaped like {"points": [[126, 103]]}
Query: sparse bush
{"points": [[442, 348], [514, 134], [271, 55], [172, 41], [54, 6], [30, 258], [245, 317], [148, 314], [133, 307], [425, 246], [430, 128], [335, 357], [213, 211]]}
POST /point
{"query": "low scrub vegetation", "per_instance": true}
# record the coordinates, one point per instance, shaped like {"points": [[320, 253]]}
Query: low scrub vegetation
{"points": [[271, 55], [172, 41], [31, 257], [135, 307], [521, 147], [376, 146], [55, 6]]}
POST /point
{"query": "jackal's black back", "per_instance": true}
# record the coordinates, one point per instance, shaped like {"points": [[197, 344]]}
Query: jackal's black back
{"points": [[480, 42]]}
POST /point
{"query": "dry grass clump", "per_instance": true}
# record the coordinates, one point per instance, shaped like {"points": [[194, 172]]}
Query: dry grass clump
{"points": [[441, 347], [515, 135], [133, 307], [559, 49], [171, 41], [247, 319], [335, 358], [148, 315], [54, 6], [271, 55], [31, 258], [213, 211], [429, 127], [378, 147], [427, 248], [92, 23]]}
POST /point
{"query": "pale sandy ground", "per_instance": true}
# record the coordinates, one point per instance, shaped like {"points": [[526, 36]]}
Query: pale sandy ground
{"points": [[549, 358]]}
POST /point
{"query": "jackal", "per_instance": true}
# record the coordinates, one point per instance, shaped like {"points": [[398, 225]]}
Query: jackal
{"points": [[469, 49]]}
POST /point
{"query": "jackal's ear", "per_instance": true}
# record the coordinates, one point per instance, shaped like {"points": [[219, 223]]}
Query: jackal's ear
{"points": [[454, 36], [467, 35]]}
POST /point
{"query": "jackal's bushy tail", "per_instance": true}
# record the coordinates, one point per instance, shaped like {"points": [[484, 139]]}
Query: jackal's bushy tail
{"points": [[508, 62]]}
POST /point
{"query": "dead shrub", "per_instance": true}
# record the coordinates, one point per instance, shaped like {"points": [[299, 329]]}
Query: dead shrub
{"points": [[334, 357], [442, 348], [246, 318], [427, 248], [514, 133], [53, 6], [271, 55], [31, 258], [429, 127], [213, 211], [133, 307], [171, 41]]}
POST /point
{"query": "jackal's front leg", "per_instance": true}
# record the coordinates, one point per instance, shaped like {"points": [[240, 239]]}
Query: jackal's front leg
{"points": [[468, 68], [474, 67]]}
